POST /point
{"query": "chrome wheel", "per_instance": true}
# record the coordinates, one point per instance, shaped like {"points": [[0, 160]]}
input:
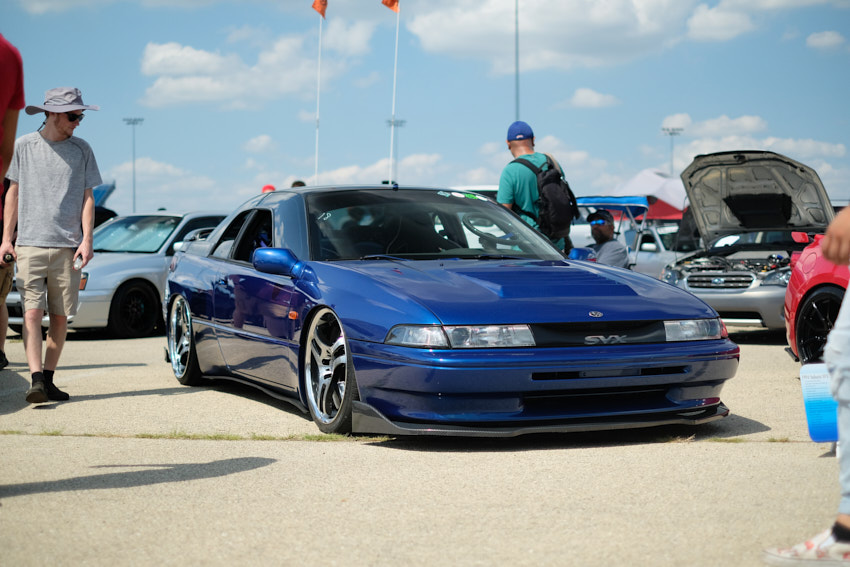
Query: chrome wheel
{"points": [[328, 374], [181, 345]]}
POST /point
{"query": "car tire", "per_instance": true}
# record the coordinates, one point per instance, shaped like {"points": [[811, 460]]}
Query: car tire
{"points": [[181, 343], [815, 319], [134, 311], [329, 382]]}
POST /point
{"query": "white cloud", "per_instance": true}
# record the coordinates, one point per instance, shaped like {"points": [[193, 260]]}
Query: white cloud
{"points": [[825, 40], [718, 23], [346, 38], [163, 185], [259, 144], [287, 68], [588, 98], [566, 34], [682, 121], [725, 126], [175, 59]]}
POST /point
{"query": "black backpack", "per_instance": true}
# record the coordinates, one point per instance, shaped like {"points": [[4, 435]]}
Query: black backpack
{"points": [[556, 203]]}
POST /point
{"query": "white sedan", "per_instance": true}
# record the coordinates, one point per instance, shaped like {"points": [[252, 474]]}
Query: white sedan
{"points": [[122, 287]]}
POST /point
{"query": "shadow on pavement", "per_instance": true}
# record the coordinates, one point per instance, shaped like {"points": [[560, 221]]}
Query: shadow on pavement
{"points": [[743, 336], [156, 474]]}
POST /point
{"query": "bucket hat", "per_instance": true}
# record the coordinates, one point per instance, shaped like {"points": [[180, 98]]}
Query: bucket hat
{"points": [[61, 99]]}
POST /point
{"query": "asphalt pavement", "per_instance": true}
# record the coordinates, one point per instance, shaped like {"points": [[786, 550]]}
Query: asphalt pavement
{"points": [[138, 470]]}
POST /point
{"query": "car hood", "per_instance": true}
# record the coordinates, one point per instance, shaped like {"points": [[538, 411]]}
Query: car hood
{"points": [[519, 291], [745, 191]]}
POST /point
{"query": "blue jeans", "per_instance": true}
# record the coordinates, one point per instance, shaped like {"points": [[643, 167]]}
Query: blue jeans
{"points": [[837, 358]]}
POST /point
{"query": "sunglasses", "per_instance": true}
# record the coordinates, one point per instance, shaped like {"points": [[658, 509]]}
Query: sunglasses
{"points": [[597, 222], [74, 117]]}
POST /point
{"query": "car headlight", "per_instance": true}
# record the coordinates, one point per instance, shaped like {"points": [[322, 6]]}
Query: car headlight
{"points": [[695, 330], [671, 275], [417, 336], [461, 336], [778, 277]]}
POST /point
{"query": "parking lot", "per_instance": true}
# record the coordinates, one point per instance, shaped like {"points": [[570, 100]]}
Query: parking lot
{"points": [[139, 470]]}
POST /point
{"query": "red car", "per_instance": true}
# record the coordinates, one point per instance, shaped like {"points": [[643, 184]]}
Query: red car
{"points": [[812, 300]]}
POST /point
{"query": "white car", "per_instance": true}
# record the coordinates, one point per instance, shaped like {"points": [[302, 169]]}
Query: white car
{"points": [[123, 285], [744, 206]]}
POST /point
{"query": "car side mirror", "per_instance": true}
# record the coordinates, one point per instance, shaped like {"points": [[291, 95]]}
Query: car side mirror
{"points": [[278, 261]]}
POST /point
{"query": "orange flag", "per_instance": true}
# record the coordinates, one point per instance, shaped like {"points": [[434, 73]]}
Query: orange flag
{"points": [[391, 4], [321, 5]]}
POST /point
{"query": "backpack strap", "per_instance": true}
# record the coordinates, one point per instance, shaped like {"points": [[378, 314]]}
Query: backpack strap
{"points": [[528, 164], [536, 171]]}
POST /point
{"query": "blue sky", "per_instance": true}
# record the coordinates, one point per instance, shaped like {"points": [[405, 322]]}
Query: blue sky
{"points": [[227, 89]]}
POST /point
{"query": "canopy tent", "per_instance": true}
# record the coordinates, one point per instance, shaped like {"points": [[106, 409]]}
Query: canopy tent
{"points": [[666, 194]]}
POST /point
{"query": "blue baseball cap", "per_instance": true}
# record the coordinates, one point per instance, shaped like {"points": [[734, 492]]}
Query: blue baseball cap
{"points": [[519, 130]]}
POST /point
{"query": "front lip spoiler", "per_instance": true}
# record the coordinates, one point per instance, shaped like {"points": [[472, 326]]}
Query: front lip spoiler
{"points": [[366, 419]]}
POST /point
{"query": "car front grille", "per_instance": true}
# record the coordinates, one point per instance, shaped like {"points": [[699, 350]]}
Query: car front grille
{"points": [[720, 281]]}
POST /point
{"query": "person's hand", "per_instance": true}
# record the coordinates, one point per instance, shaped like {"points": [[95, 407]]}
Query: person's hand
{"points": [[85, 252], [7, 248], [836, 243]]}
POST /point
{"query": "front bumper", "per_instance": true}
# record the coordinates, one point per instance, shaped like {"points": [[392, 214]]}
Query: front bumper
{"points": [[92, 310], [517, 391], [367, 419], [759, 306]]}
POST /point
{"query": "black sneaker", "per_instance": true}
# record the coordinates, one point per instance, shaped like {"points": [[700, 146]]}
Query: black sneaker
{"points": [[4, 362], [37, 394], [54, 393]]}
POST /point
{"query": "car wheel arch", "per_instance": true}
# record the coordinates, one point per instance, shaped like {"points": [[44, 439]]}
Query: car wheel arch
{"points": [[802, 335], [341, 422], [113, 324]]}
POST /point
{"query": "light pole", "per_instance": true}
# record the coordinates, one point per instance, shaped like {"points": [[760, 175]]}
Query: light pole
{"points": [[672, 132], [132, 122]]}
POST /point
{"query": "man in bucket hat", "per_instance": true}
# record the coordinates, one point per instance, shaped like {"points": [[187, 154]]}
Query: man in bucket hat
{"points": [[50, 199]]}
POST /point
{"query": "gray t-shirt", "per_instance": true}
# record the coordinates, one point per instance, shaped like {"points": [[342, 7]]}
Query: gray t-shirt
{"points": [[612, 253], [52, 178]]}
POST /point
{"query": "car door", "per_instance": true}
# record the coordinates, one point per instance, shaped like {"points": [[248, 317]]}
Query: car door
{"points": [[251, 309]]}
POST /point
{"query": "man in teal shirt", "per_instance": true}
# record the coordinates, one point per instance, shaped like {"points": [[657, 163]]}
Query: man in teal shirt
{"points": [[518, 184]]}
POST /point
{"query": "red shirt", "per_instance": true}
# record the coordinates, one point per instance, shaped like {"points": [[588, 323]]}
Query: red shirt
{"points": [[11, 80]]}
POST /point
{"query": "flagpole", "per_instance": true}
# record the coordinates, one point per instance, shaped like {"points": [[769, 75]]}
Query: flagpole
{"points": [[318, 92], [395, 75]]}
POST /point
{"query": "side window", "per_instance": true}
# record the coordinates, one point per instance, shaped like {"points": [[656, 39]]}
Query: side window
{"points": [[257, 234], [225, 244], [194, 224]]}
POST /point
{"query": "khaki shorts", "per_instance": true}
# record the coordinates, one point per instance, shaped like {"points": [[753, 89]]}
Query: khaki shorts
{"points": [[47, 279], [6, 276]]}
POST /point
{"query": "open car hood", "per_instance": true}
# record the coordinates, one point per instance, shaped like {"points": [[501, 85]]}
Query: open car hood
{"points": [[745, 191]]}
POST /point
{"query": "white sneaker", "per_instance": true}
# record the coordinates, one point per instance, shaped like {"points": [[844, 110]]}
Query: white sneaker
{"points": [[820, 550]]}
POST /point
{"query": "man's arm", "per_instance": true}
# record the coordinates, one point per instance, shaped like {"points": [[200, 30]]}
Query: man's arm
{"points": [[7, 144], [10, 221], [836, 243], [86, 248]]}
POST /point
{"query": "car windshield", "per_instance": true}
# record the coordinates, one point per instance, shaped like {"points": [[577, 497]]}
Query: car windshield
{"points": [[777, 238], [144, 234], [418, 225]]}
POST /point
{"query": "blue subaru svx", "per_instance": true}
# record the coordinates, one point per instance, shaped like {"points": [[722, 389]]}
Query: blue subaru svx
{"points": [[397, 310]]}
